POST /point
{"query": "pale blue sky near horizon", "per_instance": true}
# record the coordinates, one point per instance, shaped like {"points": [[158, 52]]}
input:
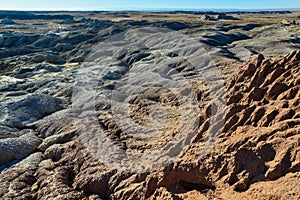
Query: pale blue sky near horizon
{"points": [[143, 4]]}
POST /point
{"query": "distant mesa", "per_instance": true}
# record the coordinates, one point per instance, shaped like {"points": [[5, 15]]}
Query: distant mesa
{"points": [[208, 18], [264, 12], [22, 15], [287, 22], [226, 17], [221, 16], [7, 22], [122, 14], [68, 21]]}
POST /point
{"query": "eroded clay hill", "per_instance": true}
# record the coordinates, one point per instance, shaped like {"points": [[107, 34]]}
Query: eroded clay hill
{"points": [[256, 155]]}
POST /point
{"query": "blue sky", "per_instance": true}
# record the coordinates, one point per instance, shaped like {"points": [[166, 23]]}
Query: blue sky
{"points": [[143, 4]]}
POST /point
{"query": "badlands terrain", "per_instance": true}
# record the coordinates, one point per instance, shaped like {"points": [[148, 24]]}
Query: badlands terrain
{"points": [[149, 105]]}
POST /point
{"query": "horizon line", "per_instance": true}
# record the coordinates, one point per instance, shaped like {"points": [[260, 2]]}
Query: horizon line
{"points": [[156, 9]]}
